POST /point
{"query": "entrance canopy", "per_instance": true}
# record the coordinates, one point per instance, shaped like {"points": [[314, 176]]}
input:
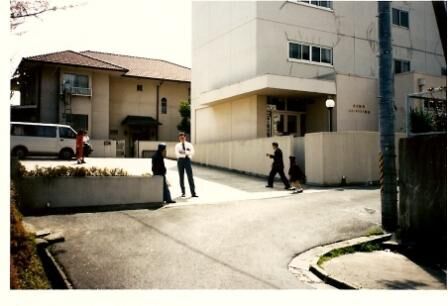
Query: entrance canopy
{"points": [[269, 84], [140, 121]]}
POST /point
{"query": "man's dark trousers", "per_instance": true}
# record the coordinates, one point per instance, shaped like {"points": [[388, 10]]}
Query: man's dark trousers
{"points": [[184, 165], [166, 191], [272, 174]]}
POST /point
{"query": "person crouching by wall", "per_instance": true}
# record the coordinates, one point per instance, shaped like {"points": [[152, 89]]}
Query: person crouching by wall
{"points": [[80, 147], [295, 175], [158, 168]]}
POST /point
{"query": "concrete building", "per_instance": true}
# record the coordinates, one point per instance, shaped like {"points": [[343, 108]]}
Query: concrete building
{"points": [[111, 96], [262, 69]]}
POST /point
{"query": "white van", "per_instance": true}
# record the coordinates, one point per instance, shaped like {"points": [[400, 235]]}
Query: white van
{"points": [[30, 138]]}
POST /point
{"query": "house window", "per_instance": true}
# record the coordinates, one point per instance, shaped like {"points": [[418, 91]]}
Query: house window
{"points": [[77, 84], [164, 106], [139, 87], [318, 54], [402, 66], [327, 4], [78, 122], [400, 18]]}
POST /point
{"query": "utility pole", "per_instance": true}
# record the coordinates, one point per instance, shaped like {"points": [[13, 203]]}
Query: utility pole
{"points": [[386, 122]]}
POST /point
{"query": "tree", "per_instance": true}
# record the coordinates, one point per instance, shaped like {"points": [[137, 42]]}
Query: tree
{"points": [[185, 113], [20, 10]]}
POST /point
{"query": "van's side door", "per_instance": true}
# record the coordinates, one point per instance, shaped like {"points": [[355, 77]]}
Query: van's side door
{"points": [[67, 138], [45, 139]]}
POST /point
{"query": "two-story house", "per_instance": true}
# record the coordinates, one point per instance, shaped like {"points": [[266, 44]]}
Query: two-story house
{"points": [[111, 96], [267, 68]]}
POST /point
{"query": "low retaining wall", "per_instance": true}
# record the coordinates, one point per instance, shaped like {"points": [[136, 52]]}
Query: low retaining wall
{"points": [[38, 194], [104, 148], [248, 156], [148, 148], [422, 208], [331, 155]]}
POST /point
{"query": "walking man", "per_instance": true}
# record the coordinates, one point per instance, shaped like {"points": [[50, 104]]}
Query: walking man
{"points": [[277, 167], [184, 153], [158, 168]]}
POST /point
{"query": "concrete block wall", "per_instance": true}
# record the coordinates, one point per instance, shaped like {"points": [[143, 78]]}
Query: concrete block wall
{"points": [[39, 194], [422, 205], [242, 155], [103, 148], [353, 154]]}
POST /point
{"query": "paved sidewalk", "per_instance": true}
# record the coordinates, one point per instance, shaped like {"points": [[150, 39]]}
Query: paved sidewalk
{"points": [[384, 270]]}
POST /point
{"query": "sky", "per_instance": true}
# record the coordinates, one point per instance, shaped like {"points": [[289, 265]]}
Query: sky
{"points": [[152, 28]]}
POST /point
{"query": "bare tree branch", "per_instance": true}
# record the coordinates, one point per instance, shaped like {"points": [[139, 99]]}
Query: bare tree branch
{"points": [[22, 9]]}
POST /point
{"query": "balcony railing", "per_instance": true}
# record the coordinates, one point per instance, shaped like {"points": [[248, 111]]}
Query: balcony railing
{"points": [[77, 91]]}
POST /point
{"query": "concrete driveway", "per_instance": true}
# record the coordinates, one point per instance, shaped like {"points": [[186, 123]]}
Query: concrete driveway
{"points": [[237, 243]]}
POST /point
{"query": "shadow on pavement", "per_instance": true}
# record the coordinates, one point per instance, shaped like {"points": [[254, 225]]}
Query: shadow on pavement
{"points": [[93, 209]]}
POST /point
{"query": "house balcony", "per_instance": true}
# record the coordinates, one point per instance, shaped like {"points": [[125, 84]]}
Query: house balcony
{"points": [[77, 91]]}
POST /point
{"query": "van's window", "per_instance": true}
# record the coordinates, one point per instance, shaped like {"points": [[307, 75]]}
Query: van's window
{"points": [[33, 130], [17, 130], [66, 133]]}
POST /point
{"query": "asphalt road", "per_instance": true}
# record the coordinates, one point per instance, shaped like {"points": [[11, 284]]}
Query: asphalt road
{"points": [[244, 244]]}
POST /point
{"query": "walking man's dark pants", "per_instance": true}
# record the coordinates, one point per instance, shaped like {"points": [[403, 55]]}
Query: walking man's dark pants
{"points": [[166, 191], [184, 165], [272, 174]]}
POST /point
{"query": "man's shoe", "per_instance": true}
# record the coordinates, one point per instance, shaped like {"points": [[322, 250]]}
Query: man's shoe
{"points": [[194, 196], [288, 188], [269, 186], [292, 188], [183, 195], [170, 202]]}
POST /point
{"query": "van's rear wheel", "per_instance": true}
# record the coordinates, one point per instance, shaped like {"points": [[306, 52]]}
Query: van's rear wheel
{"points": [[20, 152], [66, 154]]}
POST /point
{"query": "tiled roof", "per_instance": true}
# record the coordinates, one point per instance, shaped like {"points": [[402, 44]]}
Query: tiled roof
{"points": [[144, 67], [76, 59], [132, 66]]}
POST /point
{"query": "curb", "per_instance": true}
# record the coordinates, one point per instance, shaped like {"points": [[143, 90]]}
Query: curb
{"points": [[54, 271], [313, 268], [332, 280]]}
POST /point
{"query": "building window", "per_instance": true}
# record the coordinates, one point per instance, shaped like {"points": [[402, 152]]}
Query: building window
{"points": [[400, 18], [164, 106], [139, 87], [327, 4], [402, 66], [318, 54], [76, 84], [443, 71], [78, 122]]}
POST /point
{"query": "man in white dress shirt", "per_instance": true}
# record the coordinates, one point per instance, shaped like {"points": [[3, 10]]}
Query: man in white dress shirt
{"points": [[184, 153]]}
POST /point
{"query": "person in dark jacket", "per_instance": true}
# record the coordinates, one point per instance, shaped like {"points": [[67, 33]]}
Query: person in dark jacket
{"points": [[295, 175], [277, 167], [158, 168]]}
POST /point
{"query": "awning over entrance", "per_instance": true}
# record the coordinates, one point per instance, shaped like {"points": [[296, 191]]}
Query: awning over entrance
{"points": [[140, 121], [270, 85]]}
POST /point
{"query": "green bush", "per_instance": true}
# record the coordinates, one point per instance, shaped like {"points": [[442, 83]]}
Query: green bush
{"points": [[421, 121], [71, 171]]}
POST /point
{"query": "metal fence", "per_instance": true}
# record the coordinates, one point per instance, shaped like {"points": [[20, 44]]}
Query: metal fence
{"points": [[426, 112]]}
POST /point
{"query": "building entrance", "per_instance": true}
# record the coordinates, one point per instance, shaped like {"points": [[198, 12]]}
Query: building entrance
{"points": [[286, 116]]}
